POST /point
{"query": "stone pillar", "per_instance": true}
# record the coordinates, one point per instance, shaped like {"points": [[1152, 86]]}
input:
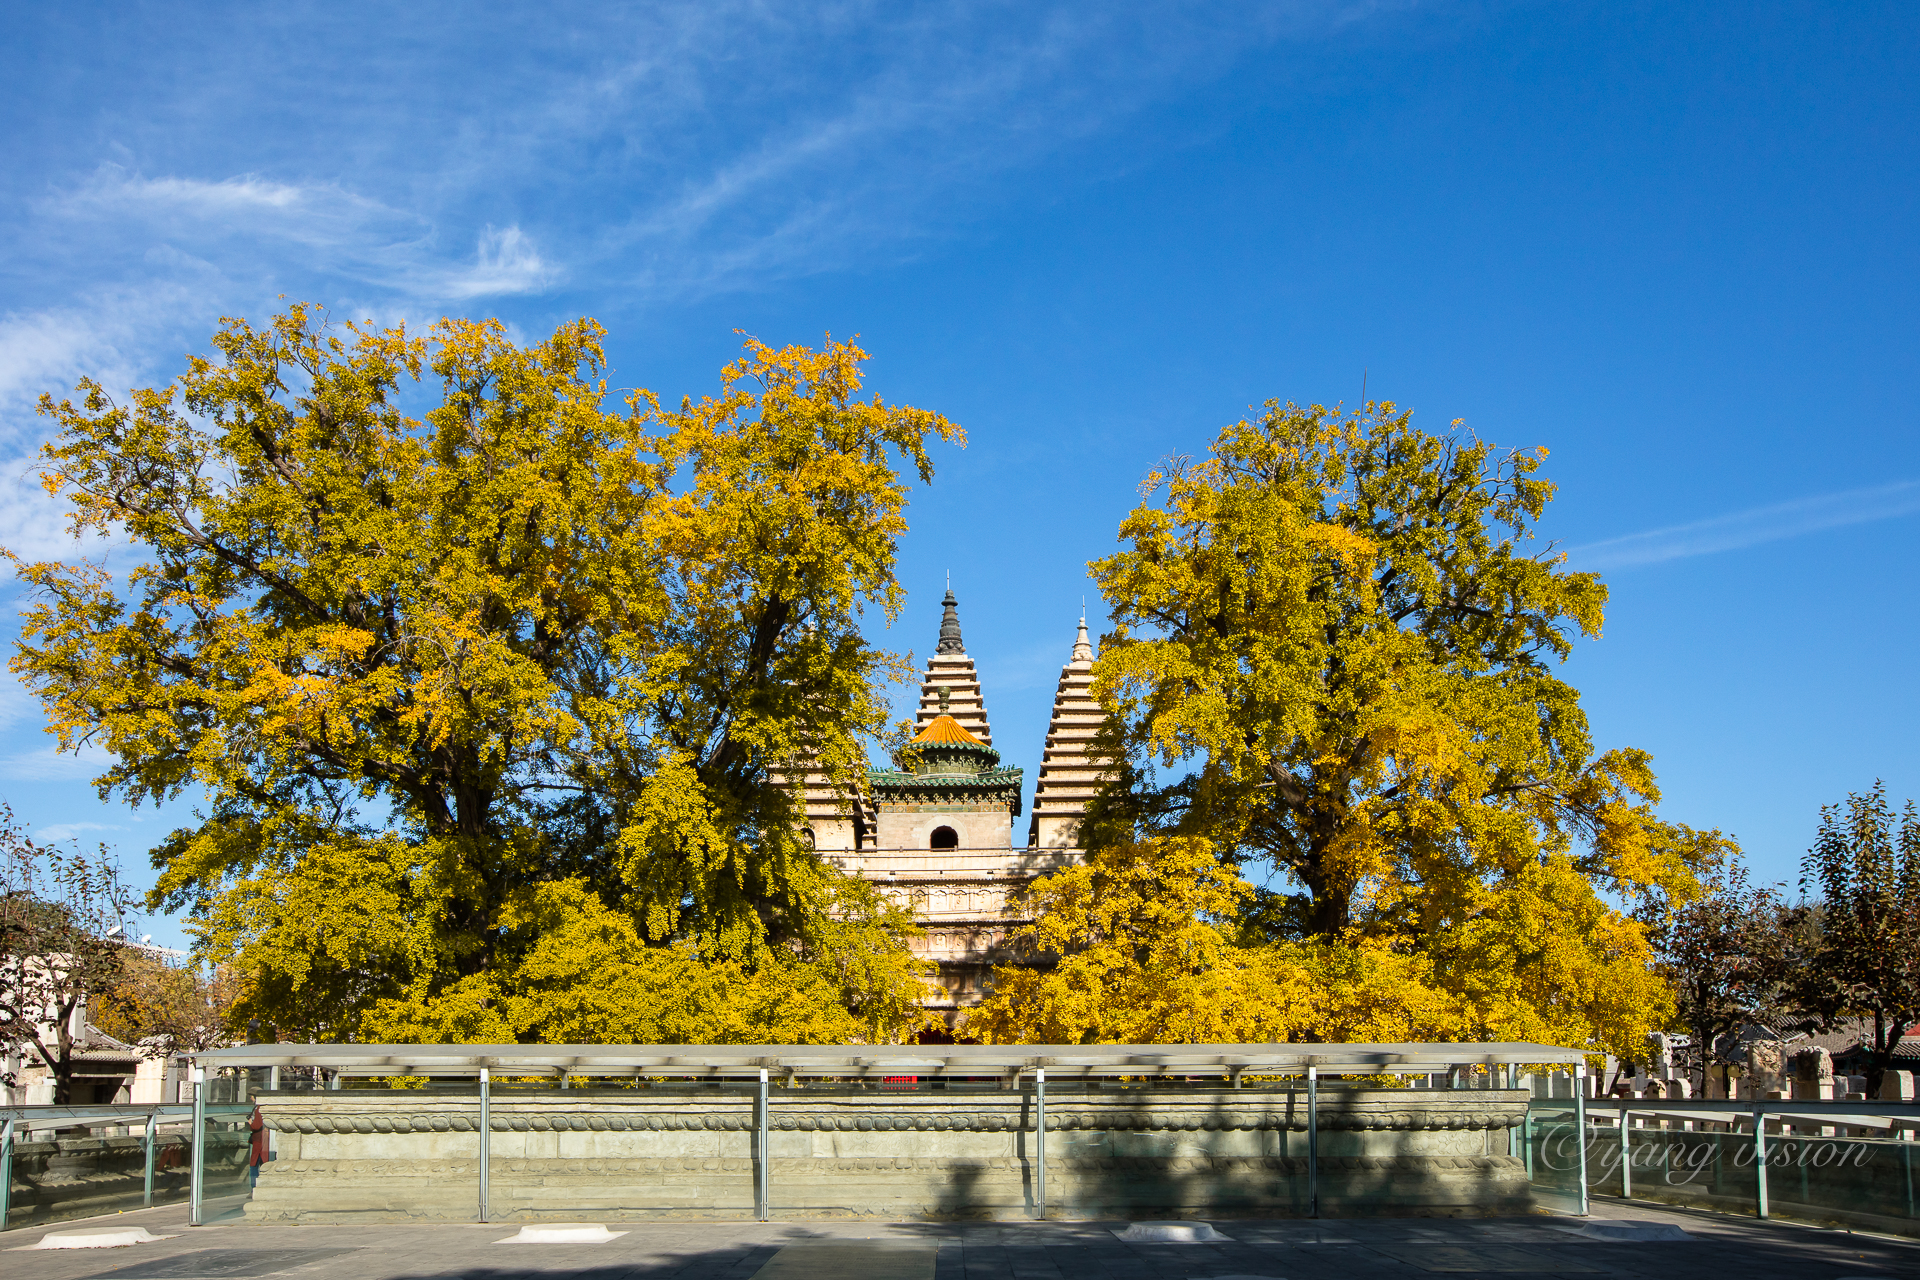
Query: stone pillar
{"points": [[1813, 1076], [1897, 1086], [1765, 1069], [1661, 1068]]}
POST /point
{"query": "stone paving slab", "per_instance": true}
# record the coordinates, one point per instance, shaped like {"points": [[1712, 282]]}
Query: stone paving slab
{"points": [[207, 1264], [1534, 1248]]}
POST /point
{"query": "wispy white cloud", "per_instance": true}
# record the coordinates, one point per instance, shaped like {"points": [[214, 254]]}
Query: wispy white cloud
{"points": [[103, 333], [63, 831], [114, 333], [507, 262], [1750, 528], [51, 765], [316, 213], [16, 704], [675, 150], [889, 153], [341, 232]]}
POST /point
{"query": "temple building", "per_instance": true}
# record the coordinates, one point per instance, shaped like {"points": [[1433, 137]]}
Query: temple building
{"points": [[938, 833]]}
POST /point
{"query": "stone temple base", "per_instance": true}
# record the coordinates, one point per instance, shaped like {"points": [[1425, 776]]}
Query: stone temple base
{"points": [[363, 1156]]}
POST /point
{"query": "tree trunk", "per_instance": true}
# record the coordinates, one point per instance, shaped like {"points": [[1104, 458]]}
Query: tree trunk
{"points": [[63, 1075], [1881, 1058]]}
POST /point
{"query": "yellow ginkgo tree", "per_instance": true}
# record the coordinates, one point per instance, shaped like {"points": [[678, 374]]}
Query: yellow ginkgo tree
{"points": [[1137, 946], [1335, 658], [446, 644]]}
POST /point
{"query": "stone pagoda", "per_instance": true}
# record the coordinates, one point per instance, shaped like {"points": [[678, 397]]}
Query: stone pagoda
{"points": [[937, 832]]}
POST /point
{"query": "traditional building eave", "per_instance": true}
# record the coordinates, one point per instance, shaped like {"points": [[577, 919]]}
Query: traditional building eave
{"points": [[993, 786]]}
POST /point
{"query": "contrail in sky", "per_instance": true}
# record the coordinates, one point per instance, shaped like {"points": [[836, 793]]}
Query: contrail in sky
{"points": [[1748, 528]]}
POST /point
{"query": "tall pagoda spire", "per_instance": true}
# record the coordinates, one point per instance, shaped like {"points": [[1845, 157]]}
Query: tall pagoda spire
{"points": [[951, 686], [950, 626]]}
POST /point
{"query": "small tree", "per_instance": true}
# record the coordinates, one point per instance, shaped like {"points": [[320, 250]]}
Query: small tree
{"points": [[1727, 956], [1866, 963], [166, 1008], [59, 914]]}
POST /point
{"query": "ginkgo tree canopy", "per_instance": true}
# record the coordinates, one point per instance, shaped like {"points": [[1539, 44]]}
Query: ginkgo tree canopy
{"points": [[1338, 637], [433, 675], [1335, 663]]}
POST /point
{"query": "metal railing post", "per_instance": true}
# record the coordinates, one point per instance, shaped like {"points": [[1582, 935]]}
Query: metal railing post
{"points": [[196, 1160], [1580, 1128], [153, 1124], [1506, 1082], [762, 1197], [486, 1135], [6, 1171], [1626, 1155], [1313, 1142], [1760, 1158], [1040, 1141]]}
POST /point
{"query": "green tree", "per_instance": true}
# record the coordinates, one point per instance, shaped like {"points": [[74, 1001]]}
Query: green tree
{"points": [[1865, 961], [1333, 637], [421, 668], [1728, 955]]}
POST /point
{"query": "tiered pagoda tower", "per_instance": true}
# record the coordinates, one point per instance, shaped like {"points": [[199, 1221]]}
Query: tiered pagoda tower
{"points": [[1070, 771], [937, 833]]}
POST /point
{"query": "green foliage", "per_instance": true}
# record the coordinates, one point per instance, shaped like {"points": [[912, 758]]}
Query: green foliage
{"points": [[422, 669], [1728, 956], [1865, 960]]}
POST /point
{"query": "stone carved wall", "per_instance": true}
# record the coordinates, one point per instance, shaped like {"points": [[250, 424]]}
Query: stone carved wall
{"points": [[385, 1156], [921, 1120]]}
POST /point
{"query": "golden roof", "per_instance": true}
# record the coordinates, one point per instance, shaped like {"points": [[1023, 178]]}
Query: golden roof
{"points": [[943, 729]]}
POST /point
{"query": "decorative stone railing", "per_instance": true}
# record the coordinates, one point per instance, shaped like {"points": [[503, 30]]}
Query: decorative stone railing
{"points": [[612, 1153]]}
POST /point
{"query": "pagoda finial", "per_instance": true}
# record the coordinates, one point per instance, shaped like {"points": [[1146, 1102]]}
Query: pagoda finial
{"points": [[950, 625], [1082, 649]]}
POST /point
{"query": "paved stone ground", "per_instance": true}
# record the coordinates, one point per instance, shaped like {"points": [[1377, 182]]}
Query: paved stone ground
{"points": [[1718, 1248]]}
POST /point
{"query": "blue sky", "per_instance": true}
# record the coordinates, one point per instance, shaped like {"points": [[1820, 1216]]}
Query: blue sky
{"points": [[1673, 244]]}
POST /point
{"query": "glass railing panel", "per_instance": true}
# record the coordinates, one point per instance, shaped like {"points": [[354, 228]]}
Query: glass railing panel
{"points": [[1705, 1156], [99, 1164], [1711, 1166], [1549, 1143]]}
